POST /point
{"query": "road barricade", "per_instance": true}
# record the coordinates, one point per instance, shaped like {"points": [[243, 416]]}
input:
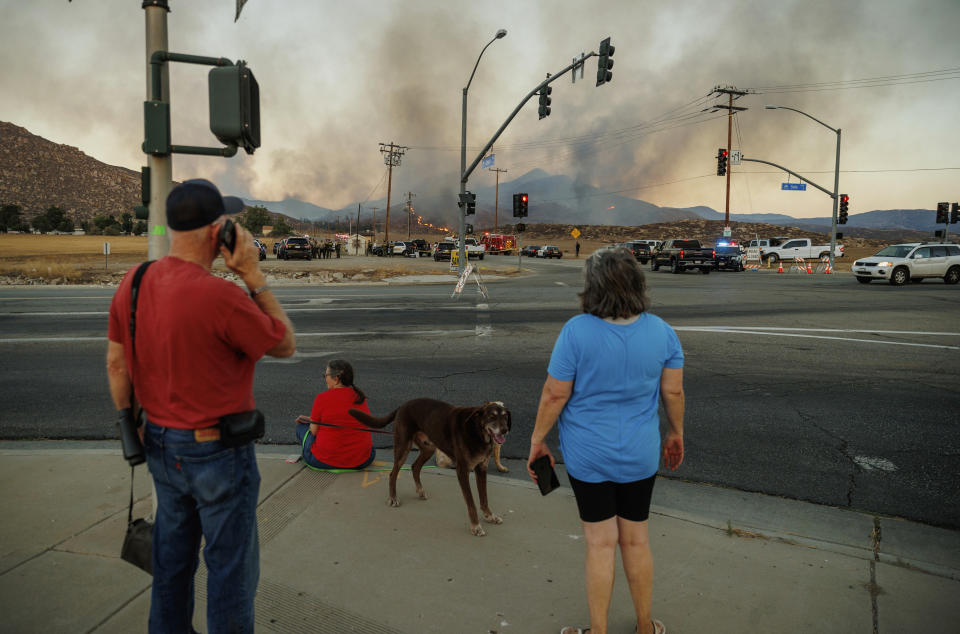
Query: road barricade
{"points": [[799, 266]]}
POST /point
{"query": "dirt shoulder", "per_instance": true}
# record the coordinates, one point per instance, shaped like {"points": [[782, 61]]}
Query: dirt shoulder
{"points": [[51, 259], [69, 259]]}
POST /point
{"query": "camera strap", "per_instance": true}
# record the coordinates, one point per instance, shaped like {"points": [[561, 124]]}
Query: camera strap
{"points": [[134, 296]]}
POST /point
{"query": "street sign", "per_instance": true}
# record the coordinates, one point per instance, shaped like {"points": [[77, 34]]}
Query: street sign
{"points": [[726, 232], [575, 233], [797, 187], [735, 156], [487, 162]]}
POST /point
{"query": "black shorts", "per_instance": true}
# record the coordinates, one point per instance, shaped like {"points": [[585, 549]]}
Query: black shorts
{"points": [[599, 501]]}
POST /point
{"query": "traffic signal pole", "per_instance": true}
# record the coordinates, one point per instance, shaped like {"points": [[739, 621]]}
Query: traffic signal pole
{"points": [[161, 166], [836, 200], [466, 171], [496, 202]]}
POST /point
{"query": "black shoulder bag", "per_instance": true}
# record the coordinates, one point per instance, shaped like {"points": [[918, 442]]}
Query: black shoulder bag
{"points": [[138, 542]]}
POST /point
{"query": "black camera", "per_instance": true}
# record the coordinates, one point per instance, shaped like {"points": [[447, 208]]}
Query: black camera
{"points": [[130, 439]]}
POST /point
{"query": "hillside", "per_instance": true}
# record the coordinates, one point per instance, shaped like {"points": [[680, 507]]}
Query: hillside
{"points": [[36, 173]]}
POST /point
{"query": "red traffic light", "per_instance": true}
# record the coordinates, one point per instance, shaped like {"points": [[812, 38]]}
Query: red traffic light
{"points": [[723, 152], [844, 198], [524, 198]]}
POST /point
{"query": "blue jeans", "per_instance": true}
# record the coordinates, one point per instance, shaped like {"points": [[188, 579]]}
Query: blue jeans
{"points": [[203, 489], [306, 438]]}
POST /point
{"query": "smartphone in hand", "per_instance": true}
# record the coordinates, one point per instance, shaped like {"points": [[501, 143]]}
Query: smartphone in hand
{"points": [[546, 476], [228, 235]]}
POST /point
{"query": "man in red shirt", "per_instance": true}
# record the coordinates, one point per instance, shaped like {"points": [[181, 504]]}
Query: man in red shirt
{"points": [[198, 338]]}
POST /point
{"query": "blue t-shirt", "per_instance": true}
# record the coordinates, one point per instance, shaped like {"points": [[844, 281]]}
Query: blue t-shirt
{"points": [[609, 428]]}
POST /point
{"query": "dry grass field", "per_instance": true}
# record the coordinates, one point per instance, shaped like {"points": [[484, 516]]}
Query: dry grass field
{"points": [[69, 259]]}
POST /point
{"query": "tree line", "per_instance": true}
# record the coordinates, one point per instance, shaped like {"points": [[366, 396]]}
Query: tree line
{"points": [[56, 219]]}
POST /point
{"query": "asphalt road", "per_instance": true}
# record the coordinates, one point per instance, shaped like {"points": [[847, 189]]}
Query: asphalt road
{"points": [[809, 387]]}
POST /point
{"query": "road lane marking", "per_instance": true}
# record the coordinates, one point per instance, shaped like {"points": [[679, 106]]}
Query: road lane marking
{"points": [[101, 338], [336, 333], [77, 313], [285, 308], [872, 463], [879, 332], [738, 331]]}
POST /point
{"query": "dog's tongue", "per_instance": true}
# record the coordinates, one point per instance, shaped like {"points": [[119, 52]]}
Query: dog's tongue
{"points": [[500, 439]]}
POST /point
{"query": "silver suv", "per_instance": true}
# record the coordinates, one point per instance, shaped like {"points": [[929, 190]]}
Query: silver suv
{"points": [[913, 262]]}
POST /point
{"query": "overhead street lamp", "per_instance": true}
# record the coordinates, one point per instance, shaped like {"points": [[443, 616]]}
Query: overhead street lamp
{"points": [[462, 256], [836, 177]]}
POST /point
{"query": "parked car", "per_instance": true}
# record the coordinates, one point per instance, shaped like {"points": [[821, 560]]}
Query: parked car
{"points": [[276, 247], [442, 251], [262, 248], [641, 250], [913, 262], [549, 251], [530, 250], [295, 247]]}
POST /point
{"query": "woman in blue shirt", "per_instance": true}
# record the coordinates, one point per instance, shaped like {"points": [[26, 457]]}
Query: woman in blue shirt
{"points": [[610, 368]]}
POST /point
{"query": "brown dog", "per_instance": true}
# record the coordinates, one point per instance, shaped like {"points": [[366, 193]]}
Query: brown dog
{"points": [[466, 434]]}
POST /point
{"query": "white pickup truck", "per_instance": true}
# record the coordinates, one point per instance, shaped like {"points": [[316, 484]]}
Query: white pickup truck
{"points": [[799, 248], [474, 249]]}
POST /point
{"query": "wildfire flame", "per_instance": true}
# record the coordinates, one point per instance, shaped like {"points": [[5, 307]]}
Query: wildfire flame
{"points": [[611, 207]]}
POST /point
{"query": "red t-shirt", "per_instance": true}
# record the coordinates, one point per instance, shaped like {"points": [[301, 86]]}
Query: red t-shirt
{"points": [[198, 340], [337, 447]]}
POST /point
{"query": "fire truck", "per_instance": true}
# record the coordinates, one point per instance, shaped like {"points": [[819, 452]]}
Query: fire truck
{"points": [[499, 243]]}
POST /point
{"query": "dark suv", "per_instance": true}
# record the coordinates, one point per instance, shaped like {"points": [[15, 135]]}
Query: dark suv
{"points": [[640, 250], [442, 252], [295, 248]]}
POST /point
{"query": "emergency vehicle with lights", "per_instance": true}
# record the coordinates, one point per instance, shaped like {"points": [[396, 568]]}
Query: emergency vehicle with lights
{"points": [[495, 243]]}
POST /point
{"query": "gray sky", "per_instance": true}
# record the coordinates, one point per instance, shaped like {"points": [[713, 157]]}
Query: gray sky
{"points": [[337, 78]]}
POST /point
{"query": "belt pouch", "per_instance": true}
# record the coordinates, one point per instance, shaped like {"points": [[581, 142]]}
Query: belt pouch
{"points": [[241, 428]]}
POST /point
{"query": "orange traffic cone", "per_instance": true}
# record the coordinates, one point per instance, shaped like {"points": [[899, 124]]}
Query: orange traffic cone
{"points": [[809, 270], [780, 270]]}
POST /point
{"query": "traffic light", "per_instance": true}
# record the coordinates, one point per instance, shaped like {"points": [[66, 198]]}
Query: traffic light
{"points": [[722, 161], [235, 106], [942, 213], [954, 213], [844, 207], [521, 227], [520, 205], [545, 101], [468, 228], [468, 201], [605, 62]]}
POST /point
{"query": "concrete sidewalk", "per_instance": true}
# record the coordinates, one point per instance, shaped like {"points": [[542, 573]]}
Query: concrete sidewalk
{"points": [[336, 558]]}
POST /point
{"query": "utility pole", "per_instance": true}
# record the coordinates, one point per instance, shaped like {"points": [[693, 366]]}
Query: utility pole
{"points": [[410, 197], [356, 243], [391, 156], [375, 223], [732, 93], [496, 204], [161, 167]]}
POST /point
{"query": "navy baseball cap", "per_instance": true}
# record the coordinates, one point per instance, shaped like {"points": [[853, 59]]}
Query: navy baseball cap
{"points": [[197, 203]]}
